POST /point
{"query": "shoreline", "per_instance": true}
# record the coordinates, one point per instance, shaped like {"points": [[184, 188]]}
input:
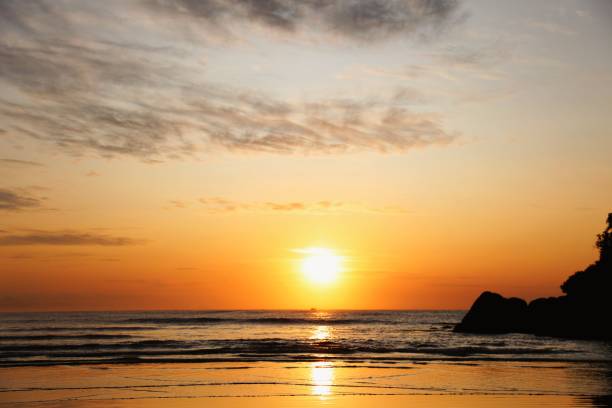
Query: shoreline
{"points": [[303, 359], [308, 384]]}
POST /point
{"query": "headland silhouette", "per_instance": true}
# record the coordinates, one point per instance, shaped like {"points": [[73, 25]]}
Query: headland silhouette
{"points": [[580, 313]]}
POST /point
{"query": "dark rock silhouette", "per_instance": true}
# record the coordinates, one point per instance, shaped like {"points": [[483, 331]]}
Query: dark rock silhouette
{"points": [[493, 313], [581, 313]]}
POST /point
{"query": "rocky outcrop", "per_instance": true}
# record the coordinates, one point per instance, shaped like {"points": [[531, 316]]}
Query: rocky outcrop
{"points": [[493, 313], [581, 313]]}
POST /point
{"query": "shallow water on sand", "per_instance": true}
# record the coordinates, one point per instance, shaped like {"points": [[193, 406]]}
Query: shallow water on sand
{"points": [[317, 383]]}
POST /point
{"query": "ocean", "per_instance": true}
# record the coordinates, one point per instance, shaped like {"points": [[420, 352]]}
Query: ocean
{"points": [[326, 353], [208, 336]]}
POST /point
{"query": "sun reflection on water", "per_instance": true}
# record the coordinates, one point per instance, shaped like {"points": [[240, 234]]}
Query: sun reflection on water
{"points": [[321, 333], [322, 375]]}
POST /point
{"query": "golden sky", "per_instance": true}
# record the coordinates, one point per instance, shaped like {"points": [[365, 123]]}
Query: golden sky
{"points": [[183, 154]]}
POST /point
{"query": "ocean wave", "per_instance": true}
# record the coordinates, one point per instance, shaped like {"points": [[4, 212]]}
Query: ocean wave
{"points": [[143, 344], [52, 337], [75, 328], [245, 348], [169, 359], [475, 350], [256, 320]]}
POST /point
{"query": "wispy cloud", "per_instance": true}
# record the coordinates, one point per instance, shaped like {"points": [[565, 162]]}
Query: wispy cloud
{"points": [[14, 200], [363, 20], [551, 27], [451, 63], [122, 80], [216, 205], [65, 238], [176, 204], [16, 162], [49, 256]]}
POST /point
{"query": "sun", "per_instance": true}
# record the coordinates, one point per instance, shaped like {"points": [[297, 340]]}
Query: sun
{"points": [[320, 265]]}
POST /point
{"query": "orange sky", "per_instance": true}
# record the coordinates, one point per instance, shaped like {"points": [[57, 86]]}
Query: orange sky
{"points": [[164, 158]]}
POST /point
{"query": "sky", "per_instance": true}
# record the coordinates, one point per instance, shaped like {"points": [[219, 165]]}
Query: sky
{"points": [[184, 154]]}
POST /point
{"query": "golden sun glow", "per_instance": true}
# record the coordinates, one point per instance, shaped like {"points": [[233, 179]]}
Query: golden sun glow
{"points": [[321, 333], [321, 265], [322, 375]]}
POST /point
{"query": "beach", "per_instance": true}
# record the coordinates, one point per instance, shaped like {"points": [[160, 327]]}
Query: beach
{"points": [[289, 359], [317, 383]]}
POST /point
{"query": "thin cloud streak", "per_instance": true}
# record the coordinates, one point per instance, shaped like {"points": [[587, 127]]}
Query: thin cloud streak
{"points": [[12, 200], [220, 205], [16, 162], [65, 238]]}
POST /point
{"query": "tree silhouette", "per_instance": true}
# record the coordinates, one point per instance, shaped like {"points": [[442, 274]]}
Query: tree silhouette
{"points": [[595, 279], [604, 242]]}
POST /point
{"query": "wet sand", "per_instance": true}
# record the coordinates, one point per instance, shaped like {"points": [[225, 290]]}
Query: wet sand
{"points": [[483, 384]]}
